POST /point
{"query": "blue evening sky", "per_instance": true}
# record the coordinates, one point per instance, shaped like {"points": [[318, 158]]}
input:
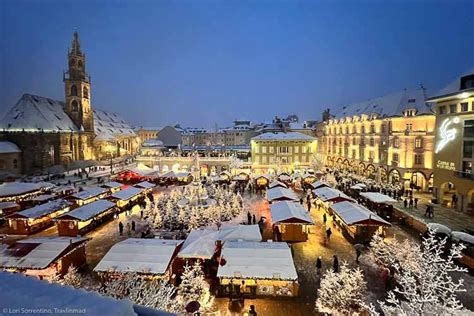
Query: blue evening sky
{"points": [[208, 62]]}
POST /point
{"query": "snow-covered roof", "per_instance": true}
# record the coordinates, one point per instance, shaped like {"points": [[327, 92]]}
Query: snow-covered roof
{"points": [[4, 205], [239, 232], [289, 212], [277, 183], [377, 197], [43, 209], [127, 194], [393, 104], [200, 243], [42, 198], [88, 211], [18, 188], [36, 113], [266, 176], [454, 86], [150, 256], [284, 177], [327, 194], [462, 236], [354, 214], [440, 228], [7, 147], [183, 174], [284, 136], [145, 185], [142, 170], [109, 125], [257, 260], [153, 143], [319, 184], [36, 253], [89, 193], [112, 185], [20, 292], [279, 192]]}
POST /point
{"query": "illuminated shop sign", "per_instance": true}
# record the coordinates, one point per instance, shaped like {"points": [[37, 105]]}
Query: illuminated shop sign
{"points": [[446, 134], [448, 165]]}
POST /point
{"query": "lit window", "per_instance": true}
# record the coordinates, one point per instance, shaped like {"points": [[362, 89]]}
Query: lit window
{"points": [[409, 127], [418, 143], [418, 159]]}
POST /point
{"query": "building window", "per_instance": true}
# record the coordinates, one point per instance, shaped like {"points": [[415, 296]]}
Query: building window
{"points": [[85, 93], [264, 159], [418, 159], [442, 109], [74, 106], [256, 149], [353, 141], [73, 91], [468, 128], [264, 149], [452, 108], [372, 142], [418, 143], [303, 150], [372, 128], [79, 63], [468, 149], [395, 157], [396, 142], [296, 149], [353, 153], [272, 149], [384, 128], [409, 127], [15, 163], [283, 150], [363, 129], [464, 107]]}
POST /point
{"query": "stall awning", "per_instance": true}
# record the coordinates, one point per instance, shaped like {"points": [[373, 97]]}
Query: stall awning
{"points": [[327, 194], [279, 193], [289, 213], [355, 214]]}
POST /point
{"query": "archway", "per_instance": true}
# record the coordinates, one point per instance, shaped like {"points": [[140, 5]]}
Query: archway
{"points": [[448, 196], [383, 175], [370, 171], [394, 176], [418, 181]]}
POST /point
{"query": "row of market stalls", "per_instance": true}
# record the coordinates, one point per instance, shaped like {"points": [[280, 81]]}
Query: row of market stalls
{"points": [[302, 181]]}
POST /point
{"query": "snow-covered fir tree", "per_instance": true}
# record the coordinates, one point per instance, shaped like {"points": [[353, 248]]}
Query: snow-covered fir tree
{"points": [[72, 277], [194, 287]]}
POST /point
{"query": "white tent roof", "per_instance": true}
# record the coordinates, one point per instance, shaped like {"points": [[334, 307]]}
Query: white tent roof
{"points": [[89, 193], [140, 255], [277, 183], [278, 192], [200, 243], [377, 197], [327, 194], [145, 185], [42, 251], [354, 214], [18, 188], [44, 209], [127, 194], [260, 260], [286, 211], [89, 210], [4, 205], [239, 232]]}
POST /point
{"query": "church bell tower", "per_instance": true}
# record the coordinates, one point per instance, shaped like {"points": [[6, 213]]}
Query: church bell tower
{"points": [[77, 88]]}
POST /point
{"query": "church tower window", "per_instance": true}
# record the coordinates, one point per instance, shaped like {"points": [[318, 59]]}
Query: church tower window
{"points": [[73, 91], [74, 106], [85, 93]]}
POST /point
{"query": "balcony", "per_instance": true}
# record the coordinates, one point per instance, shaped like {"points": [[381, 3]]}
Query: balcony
{"points": [[464, 175]]}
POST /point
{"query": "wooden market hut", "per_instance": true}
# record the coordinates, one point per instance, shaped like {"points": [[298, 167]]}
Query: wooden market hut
{"points": [[85, 218], [325, 196], [113, 186], [34, 219], [150, 258], [44, 257], [284, 177], [308, 179], [319, 184], [380, 203], [19, 191], [255, 269], [127, 197], [146, 186], [281, 194], [226, 176], [7, 208], [357, 222], [241, 177], [276, 183], [184, 177], [262, 181], [89, 195], [290, 221]]}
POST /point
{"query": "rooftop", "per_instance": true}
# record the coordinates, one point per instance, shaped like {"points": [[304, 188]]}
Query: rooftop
{"points": [[284, 136]]}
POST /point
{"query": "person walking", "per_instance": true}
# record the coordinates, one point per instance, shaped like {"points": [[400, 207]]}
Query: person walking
{"points": [[416, 202], [252, 311], [319, 265], [120, 228], [328, 234], [254, 220], [411, 203], [129, 229], [249, 218], [309, 204], [301, 201], [133, 226], [324, 219], [335, 264], [405, 203]]}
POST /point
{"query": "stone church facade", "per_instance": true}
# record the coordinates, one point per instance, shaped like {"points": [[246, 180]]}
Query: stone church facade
{"points": [[50, 132]]}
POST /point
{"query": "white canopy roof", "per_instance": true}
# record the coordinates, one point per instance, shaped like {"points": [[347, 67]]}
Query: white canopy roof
{"points": [[4, 205], [278, 193], [239, 232], [289, 211], [43, 209], [127, 194], [377, 197], [326, 194], [356, 214], [277, 183], [145, 185], [259, 260], [200, 243], [89, 210], [39, 252], [89, 193], [151, 256]]}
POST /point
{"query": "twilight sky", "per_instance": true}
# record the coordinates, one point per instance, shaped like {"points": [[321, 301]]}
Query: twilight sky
{"points": [[208, 62]]}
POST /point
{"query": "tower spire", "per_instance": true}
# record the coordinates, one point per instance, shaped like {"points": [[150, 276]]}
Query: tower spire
{"points": [[76, 46]]}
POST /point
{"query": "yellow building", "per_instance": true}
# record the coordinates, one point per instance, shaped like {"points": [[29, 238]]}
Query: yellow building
{"points": [[280, 151], [454, 151], [390, 138]]}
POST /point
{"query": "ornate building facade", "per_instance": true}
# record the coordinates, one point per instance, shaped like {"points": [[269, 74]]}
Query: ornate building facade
{"points": [[387, 138], [50, 132]]}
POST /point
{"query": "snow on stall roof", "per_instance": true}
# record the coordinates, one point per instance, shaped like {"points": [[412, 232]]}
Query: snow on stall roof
{"points": [[140, 255], [43, 209], [328, 194], [109, 125], [239, 232], [285, 211], [90, 210], [319, 184], [127, 194], [89, 193], [462, 236], [4, 205], [9, 147], [278, 192], [259, 260], [18, 188], [352, 213], [200, 243], [36, 253], [389, 105], [112, 184], [277, 183], [377, 197], [43, 198], [283, 136], [27, 293], [145, 185]]}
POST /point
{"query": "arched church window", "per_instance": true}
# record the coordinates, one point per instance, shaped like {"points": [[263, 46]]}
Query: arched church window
{"points": [[73, 91], [72, 62], [79, 63], [85, 93], [74, 106]]}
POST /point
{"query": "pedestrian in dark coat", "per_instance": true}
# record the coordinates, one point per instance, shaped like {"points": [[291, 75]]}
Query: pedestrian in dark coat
{"points": [[324, 218], [319, 265], [252, 311], [328, 233], [301, 201], [120, 228], [133, 225], [309, 205], [411, 203], [254, 220], [416, 202], [405, 203], [335, 264], [249, 218]]}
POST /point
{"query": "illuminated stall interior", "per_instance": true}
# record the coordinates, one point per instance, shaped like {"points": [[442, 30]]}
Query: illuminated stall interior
{"points": [[89, 195], [127, 196], [290, 221]]}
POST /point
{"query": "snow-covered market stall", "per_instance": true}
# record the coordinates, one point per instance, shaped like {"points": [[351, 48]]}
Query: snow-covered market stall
{"points": [[44, 257], [290, 221], [380, 203], [276, 183], [281, 194], [85, 218], [252, 269], [89, 195], [262, 181], [357, 222], [326, 196], [127, 197], [19, 191], [147, 186], [112, 186]]}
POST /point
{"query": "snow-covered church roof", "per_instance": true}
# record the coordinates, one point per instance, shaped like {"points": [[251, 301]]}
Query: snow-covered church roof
{"points": [[389, 105], [36, 113]]}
